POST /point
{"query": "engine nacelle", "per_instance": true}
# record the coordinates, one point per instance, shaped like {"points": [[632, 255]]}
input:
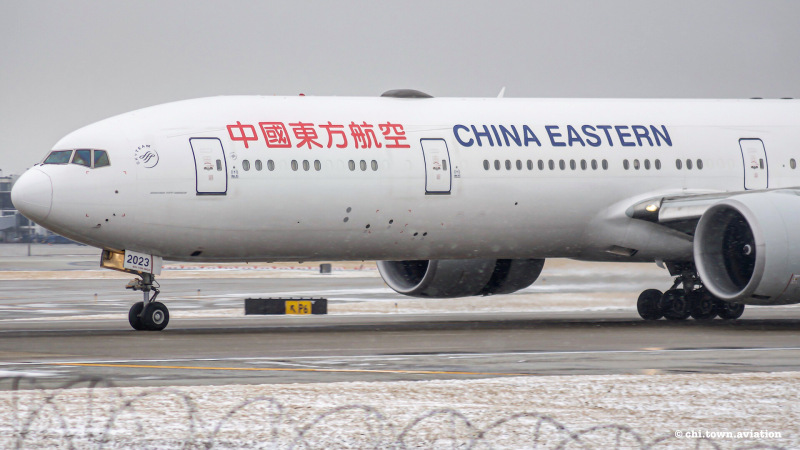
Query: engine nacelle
{"points": [[747, 248], [447, 278]]}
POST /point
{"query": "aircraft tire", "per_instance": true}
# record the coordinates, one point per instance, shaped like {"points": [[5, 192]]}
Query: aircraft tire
{"points": [[674, 305], [729, 311], [703, 305], [648, 304], [156, 316], [133, 316]]}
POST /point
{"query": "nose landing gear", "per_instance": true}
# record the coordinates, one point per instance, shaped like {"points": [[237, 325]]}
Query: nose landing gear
{"points": [[147, 314], [681, 302]]}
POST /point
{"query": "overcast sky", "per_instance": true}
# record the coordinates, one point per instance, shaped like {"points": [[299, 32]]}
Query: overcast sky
{"points": [[67, 64]]}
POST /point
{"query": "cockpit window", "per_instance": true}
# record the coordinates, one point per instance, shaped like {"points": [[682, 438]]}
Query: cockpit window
{"points": [[82, 158], [101, 159], [58, 157]]}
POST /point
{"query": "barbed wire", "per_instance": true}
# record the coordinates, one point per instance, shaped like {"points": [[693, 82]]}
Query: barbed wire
{"points": [[41, 414]]}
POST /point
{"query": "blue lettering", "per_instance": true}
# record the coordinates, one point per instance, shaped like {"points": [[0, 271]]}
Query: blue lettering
{"points": [[573, 136], [658, 135], [641, 132], [513, 134], [622, 135], [529, 136], [456, 128], [591, 134], [553, 135], [484, 134], [608, 135], [497, 136]]}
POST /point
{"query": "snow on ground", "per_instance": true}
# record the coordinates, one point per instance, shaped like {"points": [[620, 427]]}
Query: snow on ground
{"points": [[516, 412]]}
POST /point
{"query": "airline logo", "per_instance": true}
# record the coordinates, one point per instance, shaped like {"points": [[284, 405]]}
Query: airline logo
{"points": [[146, 156], [563, 136], [323, 135]]}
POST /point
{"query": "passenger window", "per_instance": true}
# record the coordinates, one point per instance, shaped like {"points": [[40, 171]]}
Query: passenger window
{"points": [[678, 164], [530, 165], [605, 164], [583, 164], [689, 164], [351, 164], [636, 164], [519, 165], [82, 158], [562, 165], [100, 158], [245, 165], [658, 164], [541, 165], [508, 165], [375, 165], [496, 164], [259, 166], [626, 164], [699, 164], [271, 165], [486, 164], [594, 164], [363, 165], [317, 165], [306, 165], [572, 164], [58, 157], [647, 164], [295, 166], [551, 164], [792, 163]]}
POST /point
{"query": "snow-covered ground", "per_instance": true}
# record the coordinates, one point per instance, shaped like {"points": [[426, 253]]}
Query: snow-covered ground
{"points": [[593, 411]]}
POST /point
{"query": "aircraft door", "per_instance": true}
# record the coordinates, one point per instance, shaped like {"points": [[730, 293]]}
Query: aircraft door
{"points": [[754, 156], [437, 166], [211, 169]]}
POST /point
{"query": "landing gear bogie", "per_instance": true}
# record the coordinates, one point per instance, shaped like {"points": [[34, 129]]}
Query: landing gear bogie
{"points": [[686, 298]]}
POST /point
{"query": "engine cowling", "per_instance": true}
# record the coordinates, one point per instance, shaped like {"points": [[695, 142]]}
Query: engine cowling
{"points": [[448, 278], [747, 248]]}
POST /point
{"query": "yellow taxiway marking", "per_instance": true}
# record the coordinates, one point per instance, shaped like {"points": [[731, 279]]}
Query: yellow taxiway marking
{"points": [[286, 369]]}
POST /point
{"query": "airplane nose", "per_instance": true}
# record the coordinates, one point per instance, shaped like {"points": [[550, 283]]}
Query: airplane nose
{"points": [[32, 195]]}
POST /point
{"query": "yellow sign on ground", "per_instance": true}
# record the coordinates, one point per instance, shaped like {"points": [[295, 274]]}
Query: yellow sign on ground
{"points": [[298, 307]]}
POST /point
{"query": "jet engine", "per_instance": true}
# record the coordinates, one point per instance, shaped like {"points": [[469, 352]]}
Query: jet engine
{"points": [[460, 277], [747, 248]]}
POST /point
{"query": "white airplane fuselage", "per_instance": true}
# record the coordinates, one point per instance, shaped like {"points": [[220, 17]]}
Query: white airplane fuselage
{"points": [[550, 197]]}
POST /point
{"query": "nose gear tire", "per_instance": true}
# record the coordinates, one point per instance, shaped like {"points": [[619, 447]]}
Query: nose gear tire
{"points": [[134, 316], [156, 316]]}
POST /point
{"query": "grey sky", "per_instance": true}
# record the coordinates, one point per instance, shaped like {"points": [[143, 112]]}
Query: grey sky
{"points": [[67, 64]]}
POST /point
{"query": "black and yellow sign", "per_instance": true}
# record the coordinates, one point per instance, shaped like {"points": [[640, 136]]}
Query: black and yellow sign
{"points": [[294, 306], [298, 307]]}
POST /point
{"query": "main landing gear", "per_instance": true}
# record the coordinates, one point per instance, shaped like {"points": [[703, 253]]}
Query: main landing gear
{"points": [[147, 314], [687, 297]]}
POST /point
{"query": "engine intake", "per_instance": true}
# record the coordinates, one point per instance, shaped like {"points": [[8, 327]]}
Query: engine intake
{"points": [[747, 248], [458, 277]]}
